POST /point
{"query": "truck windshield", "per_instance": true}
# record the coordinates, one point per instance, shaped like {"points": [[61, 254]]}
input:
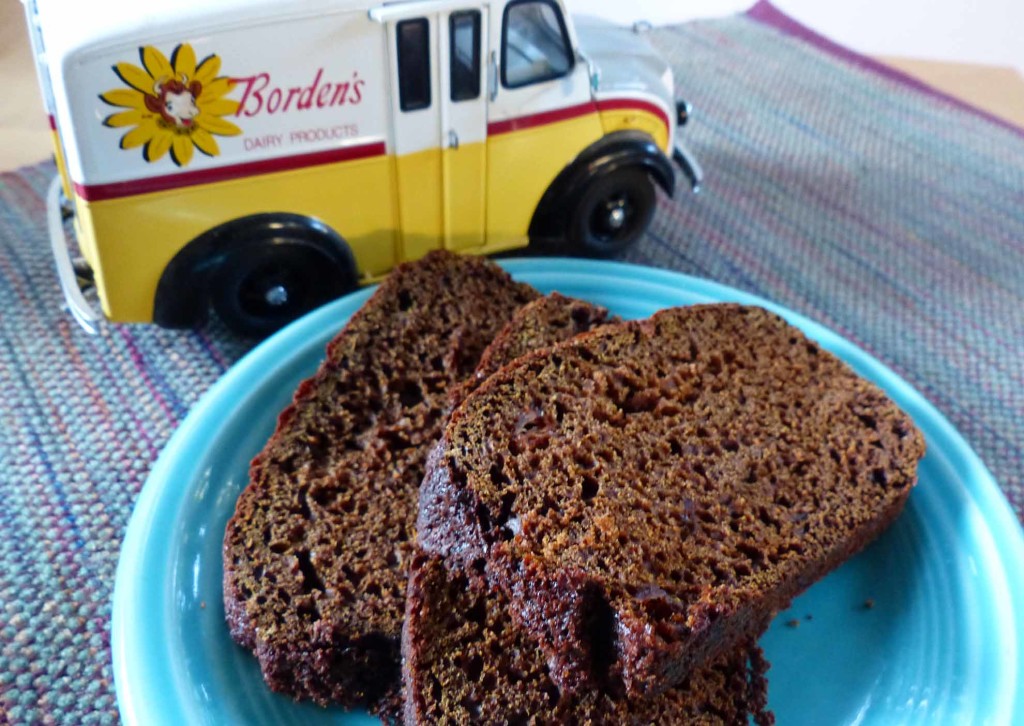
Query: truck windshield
{"points": [[535, 45]]}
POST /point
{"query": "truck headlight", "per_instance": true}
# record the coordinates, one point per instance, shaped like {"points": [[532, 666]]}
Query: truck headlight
{"points": [[683, 111]]}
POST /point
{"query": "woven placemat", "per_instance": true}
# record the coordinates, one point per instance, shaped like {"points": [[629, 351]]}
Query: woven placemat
{"points": [[893, 216]]}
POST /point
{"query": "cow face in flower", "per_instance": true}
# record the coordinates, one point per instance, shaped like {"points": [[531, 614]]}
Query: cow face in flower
{"points": [[173, 106], [175, 101]]}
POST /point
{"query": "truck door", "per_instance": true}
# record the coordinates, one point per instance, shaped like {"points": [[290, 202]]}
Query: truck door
{"points": [[464, 126], [438, 124]]}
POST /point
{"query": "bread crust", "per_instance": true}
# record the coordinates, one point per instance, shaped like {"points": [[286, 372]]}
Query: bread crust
{"points": [[539, 324]]}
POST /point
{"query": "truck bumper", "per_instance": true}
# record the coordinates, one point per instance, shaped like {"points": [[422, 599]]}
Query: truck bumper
{"points": [[680, 153], [687, 163], [80, 308]]}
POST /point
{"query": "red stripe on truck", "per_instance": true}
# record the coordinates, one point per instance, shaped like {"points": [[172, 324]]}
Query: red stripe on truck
{"points": [[115, 190], [539, 119], [562, 114], [620, 104]]}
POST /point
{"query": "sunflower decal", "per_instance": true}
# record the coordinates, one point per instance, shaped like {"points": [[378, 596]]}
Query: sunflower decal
{"points": [[174, 105]]}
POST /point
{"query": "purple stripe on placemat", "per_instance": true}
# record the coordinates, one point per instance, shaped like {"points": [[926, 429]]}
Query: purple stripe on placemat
{"points": [[764, 12]]}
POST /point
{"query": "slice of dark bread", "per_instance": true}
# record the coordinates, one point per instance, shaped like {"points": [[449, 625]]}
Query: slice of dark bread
{"points": [[691, 473], [315, 555], [538, 324], [465, 662]]}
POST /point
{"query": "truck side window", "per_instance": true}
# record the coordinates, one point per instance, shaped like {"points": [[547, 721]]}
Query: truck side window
{"points": [[464, 54], [534, 43], [413, 64]]}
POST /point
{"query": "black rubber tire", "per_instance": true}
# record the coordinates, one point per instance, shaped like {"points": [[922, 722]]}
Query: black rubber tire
{"points": [[591, 230], [264, 285]]}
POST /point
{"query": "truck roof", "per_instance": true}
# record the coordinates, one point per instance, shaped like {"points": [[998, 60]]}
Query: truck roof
{"points": [[73, 27]]}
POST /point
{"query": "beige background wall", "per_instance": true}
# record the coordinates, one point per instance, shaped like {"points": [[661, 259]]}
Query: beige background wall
{"points": [[24, 131]]}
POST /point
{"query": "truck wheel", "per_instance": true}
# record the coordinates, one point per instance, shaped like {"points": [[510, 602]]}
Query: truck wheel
{"points": [[613, 213], [262, 286]]}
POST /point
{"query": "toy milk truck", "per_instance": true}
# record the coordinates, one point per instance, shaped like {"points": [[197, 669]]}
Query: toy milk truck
{"points": [[265, 156]]}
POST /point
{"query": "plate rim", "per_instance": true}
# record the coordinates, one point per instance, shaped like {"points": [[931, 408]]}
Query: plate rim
{"points": [[128, 598]]}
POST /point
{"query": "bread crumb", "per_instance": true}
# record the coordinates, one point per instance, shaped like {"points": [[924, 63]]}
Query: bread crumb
{"points": [[869, 604], [794, 623]]}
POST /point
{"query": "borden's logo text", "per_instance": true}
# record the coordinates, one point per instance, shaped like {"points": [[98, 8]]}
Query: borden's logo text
{"points": [[260, 96]]}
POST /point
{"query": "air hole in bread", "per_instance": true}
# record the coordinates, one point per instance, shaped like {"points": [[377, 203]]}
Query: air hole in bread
{"points": [[477, 613], [304, 510], [410, 394], [868, 420], [310, 577], [601, 634]]}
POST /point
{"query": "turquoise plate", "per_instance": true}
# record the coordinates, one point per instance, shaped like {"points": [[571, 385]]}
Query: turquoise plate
{"points": [[926, 626]]}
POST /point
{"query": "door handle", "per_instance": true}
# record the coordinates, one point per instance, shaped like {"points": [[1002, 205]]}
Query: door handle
{"points": [[453, 139], [492, 75]]}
